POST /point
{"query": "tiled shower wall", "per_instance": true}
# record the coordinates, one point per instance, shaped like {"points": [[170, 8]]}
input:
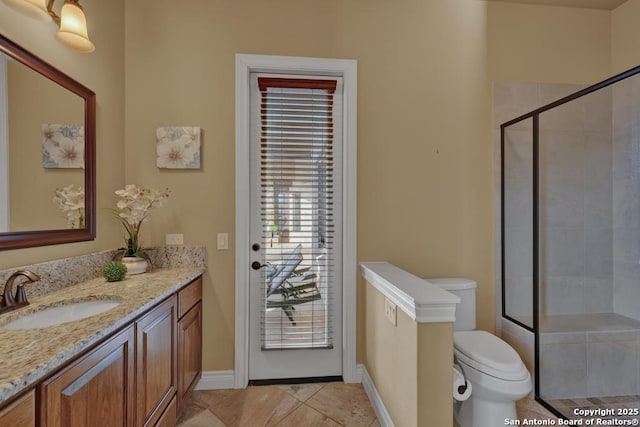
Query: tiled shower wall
{"points": [[576, 228], [626, 197], [575, 203]]}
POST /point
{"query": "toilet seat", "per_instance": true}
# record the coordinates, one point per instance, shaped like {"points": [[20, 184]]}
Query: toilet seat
{"points": [[489, 354]]}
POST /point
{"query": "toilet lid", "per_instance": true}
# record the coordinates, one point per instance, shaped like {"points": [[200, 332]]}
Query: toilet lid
{"points": [[489, 354]]}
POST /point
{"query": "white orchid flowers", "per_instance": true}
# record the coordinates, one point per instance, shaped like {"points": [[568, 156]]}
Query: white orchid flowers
{"points": [[134, 206], [70, 200]]}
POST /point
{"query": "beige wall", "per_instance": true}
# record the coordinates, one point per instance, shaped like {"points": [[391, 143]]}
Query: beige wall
{"points": [[392, 359], [101, 71], [625, 37], [548, 44], [408, 365], [435, 379]]}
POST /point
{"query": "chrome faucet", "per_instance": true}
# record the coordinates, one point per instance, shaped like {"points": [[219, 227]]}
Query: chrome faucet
{"points": [[9, 302]]}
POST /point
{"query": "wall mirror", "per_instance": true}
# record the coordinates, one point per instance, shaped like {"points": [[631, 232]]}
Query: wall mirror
{"points": [[47, 153]]}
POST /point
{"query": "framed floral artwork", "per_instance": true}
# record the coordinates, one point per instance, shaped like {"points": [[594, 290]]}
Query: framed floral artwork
{"points": [[63, 146], [178, 147]]}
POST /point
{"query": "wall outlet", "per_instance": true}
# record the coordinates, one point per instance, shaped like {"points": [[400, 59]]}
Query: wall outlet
{"points": [[174, 239], [390, 311], [223, 241]]}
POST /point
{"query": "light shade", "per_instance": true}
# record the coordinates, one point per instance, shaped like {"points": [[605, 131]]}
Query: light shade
{"points": [[36, 9], [73, 28]]}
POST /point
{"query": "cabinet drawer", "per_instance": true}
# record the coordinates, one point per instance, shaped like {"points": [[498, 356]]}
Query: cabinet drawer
{"points": [[189, 296]]}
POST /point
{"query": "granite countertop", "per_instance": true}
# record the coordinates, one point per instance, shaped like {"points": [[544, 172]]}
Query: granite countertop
{"points": [[29, 355]]}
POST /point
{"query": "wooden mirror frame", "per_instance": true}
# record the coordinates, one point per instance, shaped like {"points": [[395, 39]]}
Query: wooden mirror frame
{"points": [[26, 239]]}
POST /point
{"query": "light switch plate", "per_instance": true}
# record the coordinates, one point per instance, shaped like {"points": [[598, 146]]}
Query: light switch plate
{"points": [[223, 241], [174, 239], [390, 311]]}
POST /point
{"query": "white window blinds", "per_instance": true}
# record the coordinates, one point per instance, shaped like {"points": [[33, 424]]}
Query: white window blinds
{"points": [[296, 167]]}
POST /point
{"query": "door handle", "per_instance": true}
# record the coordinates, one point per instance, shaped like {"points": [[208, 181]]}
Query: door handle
{"points": [[256, 265]]}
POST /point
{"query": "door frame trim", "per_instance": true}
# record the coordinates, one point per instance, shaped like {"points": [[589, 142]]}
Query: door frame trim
{"points": [[347, 69]]}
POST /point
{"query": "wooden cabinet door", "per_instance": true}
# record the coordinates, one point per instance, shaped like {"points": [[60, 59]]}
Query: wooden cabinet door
{"points": [[95, 390], [155, 362], [169, 417], [189, 353], [21, 413]]}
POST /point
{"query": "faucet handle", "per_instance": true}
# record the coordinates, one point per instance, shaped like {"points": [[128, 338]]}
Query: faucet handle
{"points": [[21, 295], [8, 300]]}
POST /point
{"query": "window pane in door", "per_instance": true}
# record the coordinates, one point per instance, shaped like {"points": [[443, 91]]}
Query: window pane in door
{"points": [[296, 167]]}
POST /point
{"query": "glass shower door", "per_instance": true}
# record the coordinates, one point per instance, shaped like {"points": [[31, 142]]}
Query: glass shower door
{"points": [[517, 211]]}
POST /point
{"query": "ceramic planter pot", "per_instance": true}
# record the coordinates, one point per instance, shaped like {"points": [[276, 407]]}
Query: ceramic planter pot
{"points": [[135, 265]]}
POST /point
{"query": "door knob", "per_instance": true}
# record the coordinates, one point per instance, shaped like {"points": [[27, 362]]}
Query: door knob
{"points": [[256, 265]]}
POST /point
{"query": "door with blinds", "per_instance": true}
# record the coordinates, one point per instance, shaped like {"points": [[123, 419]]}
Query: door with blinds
{"points": [[295, 325]]}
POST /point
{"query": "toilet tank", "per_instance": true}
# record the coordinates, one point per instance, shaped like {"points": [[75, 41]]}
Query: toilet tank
{"points": [[466, 309]]}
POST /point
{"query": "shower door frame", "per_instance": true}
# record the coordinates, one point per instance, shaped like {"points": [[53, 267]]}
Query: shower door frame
{"points": [[535, 116]]}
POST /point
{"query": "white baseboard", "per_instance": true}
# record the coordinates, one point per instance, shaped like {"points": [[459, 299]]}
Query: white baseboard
{"points": [[216, 380], [376, 401]]}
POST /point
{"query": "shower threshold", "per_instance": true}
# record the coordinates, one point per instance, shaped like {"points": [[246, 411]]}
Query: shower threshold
{"points": [[592, 322]]}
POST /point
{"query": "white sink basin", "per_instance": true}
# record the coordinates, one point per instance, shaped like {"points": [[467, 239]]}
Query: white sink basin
{"points": [[62, 314]]}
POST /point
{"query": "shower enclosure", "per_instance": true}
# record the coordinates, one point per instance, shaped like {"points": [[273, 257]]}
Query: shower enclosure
{"points": [[571, 244]]}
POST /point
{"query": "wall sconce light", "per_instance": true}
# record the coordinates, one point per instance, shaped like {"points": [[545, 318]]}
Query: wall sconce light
{"points": [[72, 22]]}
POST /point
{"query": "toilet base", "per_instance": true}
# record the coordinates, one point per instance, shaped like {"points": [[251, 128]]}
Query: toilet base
{"points": [[475, 412]]}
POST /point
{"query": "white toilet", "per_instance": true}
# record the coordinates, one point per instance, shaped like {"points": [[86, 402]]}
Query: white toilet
{"points": [[496, 372]]}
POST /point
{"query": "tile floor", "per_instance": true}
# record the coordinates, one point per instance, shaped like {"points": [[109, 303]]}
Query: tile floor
{"points": [[322, 404], [332, 404], [619, 404], [531, 410]]}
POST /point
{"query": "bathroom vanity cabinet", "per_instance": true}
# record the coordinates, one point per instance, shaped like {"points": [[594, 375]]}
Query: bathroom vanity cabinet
{"points": [[141, 375], [21, 413]]}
